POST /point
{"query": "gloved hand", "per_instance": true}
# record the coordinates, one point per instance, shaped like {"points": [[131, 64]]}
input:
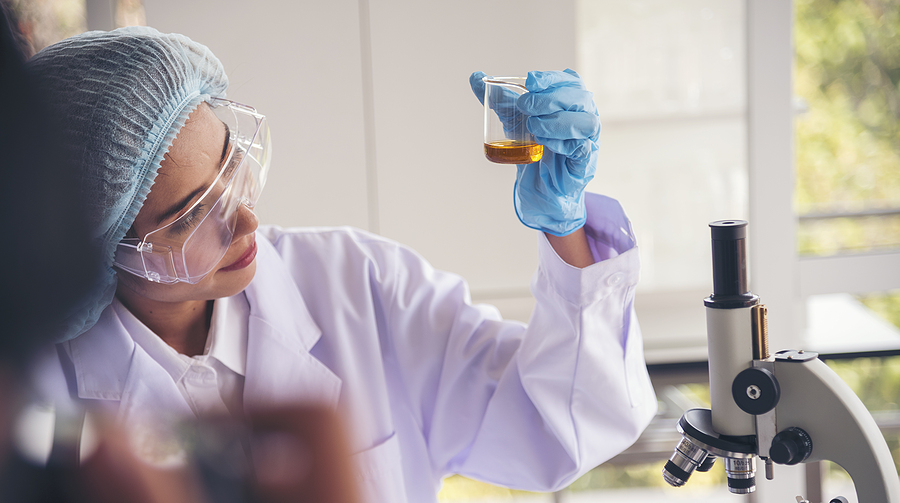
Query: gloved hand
{"points": [[549, 194]]}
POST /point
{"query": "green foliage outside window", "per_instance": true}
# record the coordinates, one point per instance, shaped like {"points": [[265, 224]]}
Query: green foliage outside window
{"points": [[848, 141]]}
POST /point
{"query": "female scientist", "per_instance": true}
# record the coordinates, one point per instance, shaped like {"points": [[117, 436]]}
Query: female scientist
{"points": [[203, 313]]}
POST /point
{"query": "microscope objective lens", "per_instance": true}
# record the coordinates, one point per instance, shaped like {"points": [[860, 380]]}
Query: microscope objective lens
{"points": [[741, 473]]}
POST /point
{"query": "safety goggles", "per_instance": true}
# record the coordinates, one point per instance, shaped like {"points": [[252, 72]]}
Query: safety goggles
{"points": [[188, 248]]}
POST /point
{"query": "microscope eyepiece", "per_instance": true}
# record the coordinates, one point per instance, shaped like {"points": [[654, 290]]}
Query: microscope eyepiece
{"points": [[728, 230], [731, 286]]}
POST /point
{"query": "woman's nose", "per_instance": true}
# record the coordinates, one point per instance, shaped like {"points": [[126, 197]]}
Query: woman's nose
{"points": [[247, 221]]}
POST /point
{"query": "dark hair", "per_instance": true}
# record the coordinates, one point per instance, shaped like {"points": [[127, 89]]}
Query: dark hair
{"points": [[47, 259]]}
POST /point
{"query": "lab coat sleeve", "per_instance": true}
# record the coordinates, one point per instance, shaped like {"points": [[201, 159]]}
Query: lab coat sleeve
{"points": [[530, 407]]}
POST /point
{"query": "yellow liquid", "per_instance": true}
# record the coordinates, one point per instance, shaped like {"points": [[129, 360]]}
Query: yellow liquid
{"points": [[513, 152]]}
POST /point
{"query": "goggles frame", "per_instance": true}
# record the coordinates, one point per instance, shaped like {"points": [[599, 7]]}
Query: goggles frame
{"points": [[161, 258]]}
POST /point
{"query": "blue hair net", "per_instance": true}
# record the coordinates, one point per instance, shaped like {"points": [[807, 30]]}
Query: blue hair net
{"points": [[122, 97]]}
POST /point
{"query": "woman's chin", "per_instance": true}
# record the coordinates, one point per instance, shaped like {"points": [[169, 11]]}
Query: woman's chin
{"points": [[233, 282]]}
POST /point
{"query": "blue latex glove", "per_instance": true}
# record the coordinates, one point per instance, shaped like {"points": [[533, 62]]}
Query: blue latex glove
{"points": [[549, 194]]}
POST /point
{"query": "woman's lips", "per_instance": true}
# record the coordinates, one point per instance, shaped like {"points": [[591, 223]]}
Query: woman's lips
{"points": [[245, 259]]}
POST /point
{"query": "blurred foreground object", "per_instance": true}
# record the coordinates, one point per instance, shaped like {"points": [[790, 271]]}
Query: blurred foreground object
{"points": [[296, 454], [300, 454]]}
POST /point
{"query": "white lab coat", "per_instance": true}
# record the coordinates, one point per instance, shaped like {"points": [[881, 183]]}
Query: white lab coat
{"points": [[431, 384]]}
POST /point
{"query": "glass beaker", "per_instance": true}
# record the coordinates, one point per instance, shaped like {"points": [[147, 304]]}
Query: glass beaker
{"points": [[506, 138]]}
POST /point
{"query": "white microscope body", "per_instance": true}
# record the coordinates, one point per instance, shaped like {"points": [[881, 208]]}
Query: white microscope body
{"points": [[787, 408]]}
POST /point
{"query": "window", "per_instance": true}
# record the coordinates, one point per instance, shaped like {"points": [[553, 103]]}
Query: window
{"points": [[669, 79], [846, 75], [847, 70], [848, 134]]}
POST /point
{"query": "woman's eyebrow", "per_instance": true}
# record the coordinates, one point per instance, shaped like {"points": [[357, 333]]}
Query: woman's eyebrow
{"points": [[225, 144]]}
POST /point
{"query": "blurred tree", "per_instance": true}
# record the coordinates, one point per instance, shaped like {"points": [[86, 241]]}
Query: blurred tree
{"points": [[848, 142], [848, 70], [45, 22]]}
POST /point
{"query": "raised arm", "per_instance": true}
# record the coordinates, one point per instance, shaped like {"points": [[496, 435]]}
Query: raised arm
{"points": [[549, 194]]}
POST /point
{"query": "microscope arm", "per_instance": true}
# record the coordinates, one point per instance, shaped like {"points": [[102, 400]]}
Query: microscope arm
{"points": [[816, 400]]}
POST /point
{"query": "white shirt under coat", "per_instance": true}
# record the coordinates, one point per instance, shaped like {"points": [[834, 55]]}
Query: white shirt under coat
{"points": [[212, 383], [430, 384]]}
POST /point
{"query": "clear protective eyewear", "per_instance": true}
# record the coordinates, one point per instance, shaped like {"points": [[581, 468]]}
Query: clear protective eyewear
{"points": [[188, 248]]}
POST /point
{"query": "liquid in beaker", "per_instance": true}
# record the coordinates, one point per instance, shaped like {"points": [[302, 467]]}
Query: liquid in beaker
{"points": [[513, 152], [506, 136]]}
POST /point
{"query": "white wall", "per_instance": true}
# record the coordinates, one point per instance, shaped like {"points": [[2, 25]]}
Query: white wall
{"points": [[373, 121], [303, 71]]}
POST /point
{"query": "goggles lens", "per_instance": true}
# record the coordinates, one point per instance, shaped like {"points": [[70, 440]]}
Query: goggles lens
{"points": [[188, 248]]}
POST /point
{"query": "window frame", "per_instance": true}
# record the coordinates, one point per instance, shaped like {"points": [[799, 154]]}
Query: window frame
{"points": [[782, 278]]}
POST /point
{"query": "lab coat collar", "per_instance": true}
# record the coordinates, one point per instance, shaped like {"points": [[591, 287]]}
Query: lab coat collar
{"points": [[102, 358], [280, 368], [109, 365]]}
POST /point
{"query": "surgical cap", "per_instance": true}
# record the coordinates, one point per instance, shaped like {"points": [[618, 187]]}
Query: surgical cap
{"points": [[122, 97]]}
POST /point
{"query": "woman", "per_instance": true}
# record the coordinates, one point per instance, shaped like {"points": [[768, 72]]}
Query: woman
{"points": [[202, 312]]}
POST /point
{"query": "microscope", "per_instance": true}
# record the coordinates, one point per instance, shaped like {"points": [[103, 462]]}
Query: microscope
{"points": [[786, 408]]}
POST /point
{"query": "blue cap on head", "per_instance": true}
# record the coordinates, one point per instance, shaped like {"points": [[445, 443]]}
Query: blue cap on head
{"points": [[121, 96]]}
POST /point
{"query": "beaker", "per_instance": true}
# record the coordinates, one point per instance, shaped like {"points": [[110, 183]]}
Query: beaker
{"points": [[506, 138]]}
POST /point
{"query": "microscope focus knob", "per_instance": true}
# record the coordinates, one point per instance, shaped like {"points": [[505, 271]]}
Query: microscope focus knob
{"points": [[755, 391], [791, 446]]}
